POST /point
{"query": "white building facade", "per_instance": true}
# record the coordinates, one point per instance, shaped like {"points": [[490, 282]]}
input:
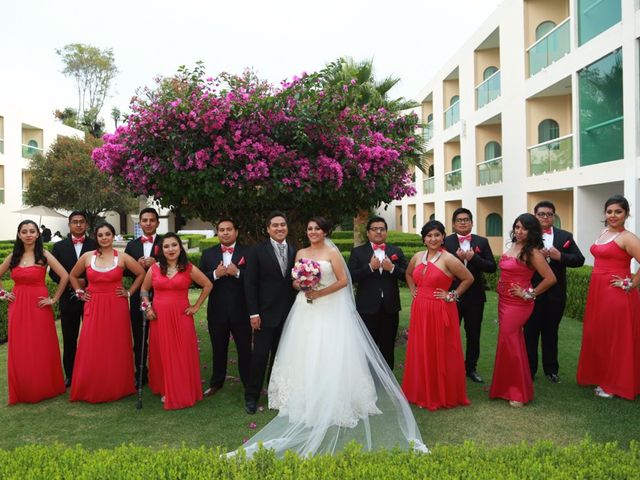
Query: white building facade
{"points": [[541, 103]]}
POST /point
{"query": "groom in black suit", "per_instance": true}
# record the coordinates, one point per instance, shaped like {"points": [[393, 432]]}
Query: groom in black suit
{"points": [[376, 268], [67, 252], [225, 266], [270, 295], [561, 251], [474, 251], [145, 250]]}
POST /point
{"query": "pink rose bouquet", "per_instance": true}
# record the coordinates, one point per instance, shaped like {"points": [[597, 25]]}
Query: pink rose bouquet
{"points": [[307, 272]]}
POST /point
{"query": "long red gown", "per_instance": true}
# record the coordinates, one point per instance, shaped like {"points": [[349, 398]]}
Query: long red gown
{"points": [[434, 375], [176, 339], [103, 370], [610, 353], [511, 373], [34, 366]]}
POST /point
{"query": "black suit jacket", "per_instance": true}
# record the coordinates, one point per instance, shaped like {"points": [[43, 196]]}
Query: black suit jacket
{"points": [[136, 250], [481, 262], [65, 253], [570, 256], [375, 289], [227, 296], [268, 293]]}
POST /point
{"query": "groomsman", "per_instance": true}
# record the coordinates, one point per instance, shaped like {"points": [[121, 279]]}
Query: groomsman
{"points": [[227, 313], [474, 251], [67, 252], [561, 251], [145, 250], [376, 268], [270, 295]]}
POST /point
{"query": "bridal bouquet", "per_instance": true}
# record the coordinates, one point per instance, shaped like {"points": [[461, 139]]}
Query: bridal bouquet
{"points": [[307, 272]]}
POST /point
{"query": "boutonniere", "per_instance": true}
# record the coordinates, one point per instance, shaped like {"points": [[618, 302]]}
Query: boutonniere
{"points": [[241, 262], [477, 249], [566, 244], [394, 257], [155, 250]]}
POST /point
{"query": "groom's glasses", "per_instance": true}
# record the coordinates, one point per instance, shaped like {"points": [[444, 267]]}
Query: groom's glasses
{"points": [[545, 214], [377, 229]]}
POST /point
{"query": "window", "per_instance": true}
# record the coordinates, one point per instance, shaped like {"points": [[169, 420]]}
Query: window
{"points": [[488, 72], [1, 183], [557, 223], [492, 150], [456, 163], [494, 225], [430, 118], [454, 99], [544, 28], [430, 171], [596, 16], [601, 115], [413, 221], [548, 130], [432, 217]]}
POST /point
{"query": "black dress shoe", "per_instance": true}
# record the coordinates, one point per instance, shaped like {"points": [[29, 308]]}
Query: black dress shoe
{"points": [[475, 377], [67, 383], [553, 378], [250, 407], [211, 391]]}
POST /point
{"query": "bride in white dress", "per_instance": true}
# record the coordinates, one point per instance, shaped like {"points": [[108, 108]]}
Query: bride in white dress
{"points": [[329, 381]]}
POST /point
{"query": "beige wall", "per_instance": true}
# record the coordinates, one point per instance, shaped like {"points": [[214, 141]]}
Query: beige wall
{"points": [[399, 218], [538, 109], [538, 11], [562, 199], [484, 135], [449, 208], [428, 209], [451, 149], [427, 108], [486, 58], [484, 207], [449, 89], [32, 134]]}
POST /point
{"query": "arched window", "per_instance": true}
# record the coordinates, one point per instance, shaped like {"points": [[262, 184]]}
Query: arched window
{"points": [[488, 72], [430, 173], [413, 221], [454, 99], [492, 150], [548, 130], [494, 225], [430, 118], [557, 223], [432, 216], [544, 28], [456, 163]]}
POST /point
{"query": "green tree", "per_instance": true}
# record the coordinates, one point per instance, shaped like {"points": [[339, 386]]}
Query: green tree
{"points": [[67, 178], [116, 115]]}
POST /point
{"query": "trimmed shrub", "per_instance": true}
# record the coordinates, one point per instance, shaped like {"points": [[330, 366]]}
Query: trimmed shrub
{"points": [[577, 289], [208, 243], [194, 239]]}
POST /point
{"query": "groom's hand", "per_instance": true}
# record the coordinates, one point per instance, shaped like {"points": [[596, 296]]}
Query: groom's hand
{"points": [[255, 322], [374, 263], [221, 270]]}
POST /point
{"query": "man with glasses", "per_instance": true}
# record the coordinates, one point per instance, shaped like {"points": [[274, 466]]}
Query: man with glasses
{"points": [[67, 252], [561, 251], [475, 252], [376, 268]]}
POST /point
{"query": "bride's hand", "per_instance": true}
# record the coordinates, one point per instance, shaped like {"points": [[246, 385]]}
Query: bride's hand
{"points": [[312, 294], [296, 285]]}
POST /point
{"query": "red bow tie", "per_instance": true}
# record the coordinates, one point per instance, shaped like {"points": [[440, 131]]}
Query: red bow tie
{"points": [[77, 240], [382, 246], [464, 238], [227, 249], [146, 239], [548, 231]]}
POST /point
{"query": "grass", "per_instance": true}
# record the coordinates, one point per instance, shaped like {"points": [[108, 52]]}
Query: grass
{"points": [[563, 413]]}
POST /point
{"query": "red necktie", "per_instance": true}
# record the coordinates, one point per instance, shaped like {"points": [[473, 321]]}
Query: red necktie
{"points": [[227, 249], [146, 239], [77, 240], [548, 231], [464, 238], [382, 246]]}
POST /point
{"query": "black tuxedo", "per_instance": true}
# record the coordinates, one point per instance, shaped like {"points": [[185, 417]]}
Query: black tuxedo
{"points": [[378, 295], [71, 309], [549, 306], [471, 304], [270, 295], [227, 314], [135, 248]]}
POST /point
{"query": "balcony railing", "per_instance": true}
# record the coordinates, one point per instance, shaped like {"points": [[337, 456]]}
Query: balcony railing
{"points": [[550, 48], [1, 145], [552, 156], [490, 171], [428, 185], [488, 90], [29, 152], [427, 132], [452, 115], [453, 180]]}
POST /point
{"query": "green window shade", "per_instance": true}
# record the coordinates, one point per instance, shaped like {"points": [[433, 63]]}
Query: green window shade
{"points": [[596, 16], [557, 222], [544, 28], [548, 130], [494, 225], [454, 99], [456, 163], [413, 221], [601, 114], [432, 216], [492, 150], [488, 72], [430, 118], [430, 171]]}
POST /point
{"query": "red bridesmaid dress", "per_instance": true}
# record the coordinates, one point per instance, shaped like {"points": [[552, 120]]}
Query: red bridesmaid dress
{"points": [[34, 365]]}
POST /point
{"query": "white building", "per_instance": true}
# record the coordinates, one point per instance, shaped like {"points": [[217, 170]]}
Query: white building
{"points": [[23, 133], [542, 102]]}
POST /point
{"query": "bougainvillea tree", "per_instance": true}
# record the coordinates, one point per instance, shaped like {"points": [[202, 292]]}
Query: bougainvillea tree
{"points": [[239, 146]]}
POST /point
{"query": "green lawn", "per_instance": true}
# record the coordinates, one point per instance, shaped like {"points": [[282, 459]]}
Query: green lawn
{"points": [[563, 413]]}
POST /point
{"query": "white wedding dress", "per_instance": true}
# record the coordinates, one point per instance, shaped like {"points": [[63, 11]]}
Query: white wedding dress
{"points": [[331, 385]]}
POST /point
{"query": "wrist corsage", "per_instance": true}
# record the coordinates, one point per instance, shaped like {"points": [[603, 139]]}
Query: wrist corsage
{"points": [[79, 293], [452, 296], [529, 294], [625, 284], [4, 295], [145, 305]]}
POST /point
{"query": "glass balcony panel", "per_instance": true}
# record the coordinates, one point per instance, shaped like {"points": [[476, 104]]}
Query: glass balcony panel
{"points": [[488, 90], [453, 180], [428, 185], [452, 115], [552, 156], [550, 48], [29, 152], [1, 145], [596, 16], [490, 171], [427, 132]]}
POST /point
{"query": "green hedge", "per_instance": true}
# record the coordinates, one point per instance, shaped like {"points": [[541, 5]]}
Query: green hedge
{"points": [[208, 243], [193, 238], [542, 460]]}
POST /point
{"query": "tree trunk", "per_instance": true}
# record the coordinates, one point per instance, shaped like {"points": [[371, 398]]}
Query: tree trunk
{"points": [[359, 227]]}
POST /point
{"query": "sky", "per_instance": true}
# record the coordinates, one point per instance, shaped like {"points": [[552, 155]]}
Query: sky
{"points": [[408, 39]]}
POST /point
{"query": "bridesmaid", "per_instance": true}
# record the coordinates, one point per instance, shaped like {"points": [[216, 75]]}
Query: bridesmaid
{"points": [[434, 371], [103, 370], [34, 367], [511, 374], [175, 334], [610, 353]]}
